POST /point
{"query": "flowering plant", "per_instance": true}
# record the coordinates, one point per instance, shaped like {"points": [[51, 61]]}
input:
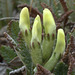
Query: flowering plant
{"points": [[40, 43]]}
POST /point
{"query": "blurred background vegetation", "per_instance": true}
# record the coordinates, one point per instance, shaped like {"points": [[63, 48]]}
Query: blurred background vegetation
{"points": [[8, 8]]}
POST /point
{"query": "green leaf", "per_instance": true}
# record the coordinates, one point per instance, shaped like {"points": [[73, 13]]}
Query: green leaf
{"points": [[61, 69], [7, 53], [13, 30], [26, 56], [22, 52], [68, 37], [8, 70]]}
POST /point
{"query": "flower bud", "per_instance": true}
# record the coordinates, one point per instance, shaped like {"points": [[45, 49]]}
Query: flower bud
{"points": [[37, 30], [36, 52], [59, 49], [50, 31], [48, 21], [24, 22]]}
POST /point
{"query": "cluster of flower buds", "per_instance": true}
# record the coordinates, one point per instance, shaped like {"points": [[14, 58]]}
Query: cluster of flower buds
{"points": [[41, 50]]}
